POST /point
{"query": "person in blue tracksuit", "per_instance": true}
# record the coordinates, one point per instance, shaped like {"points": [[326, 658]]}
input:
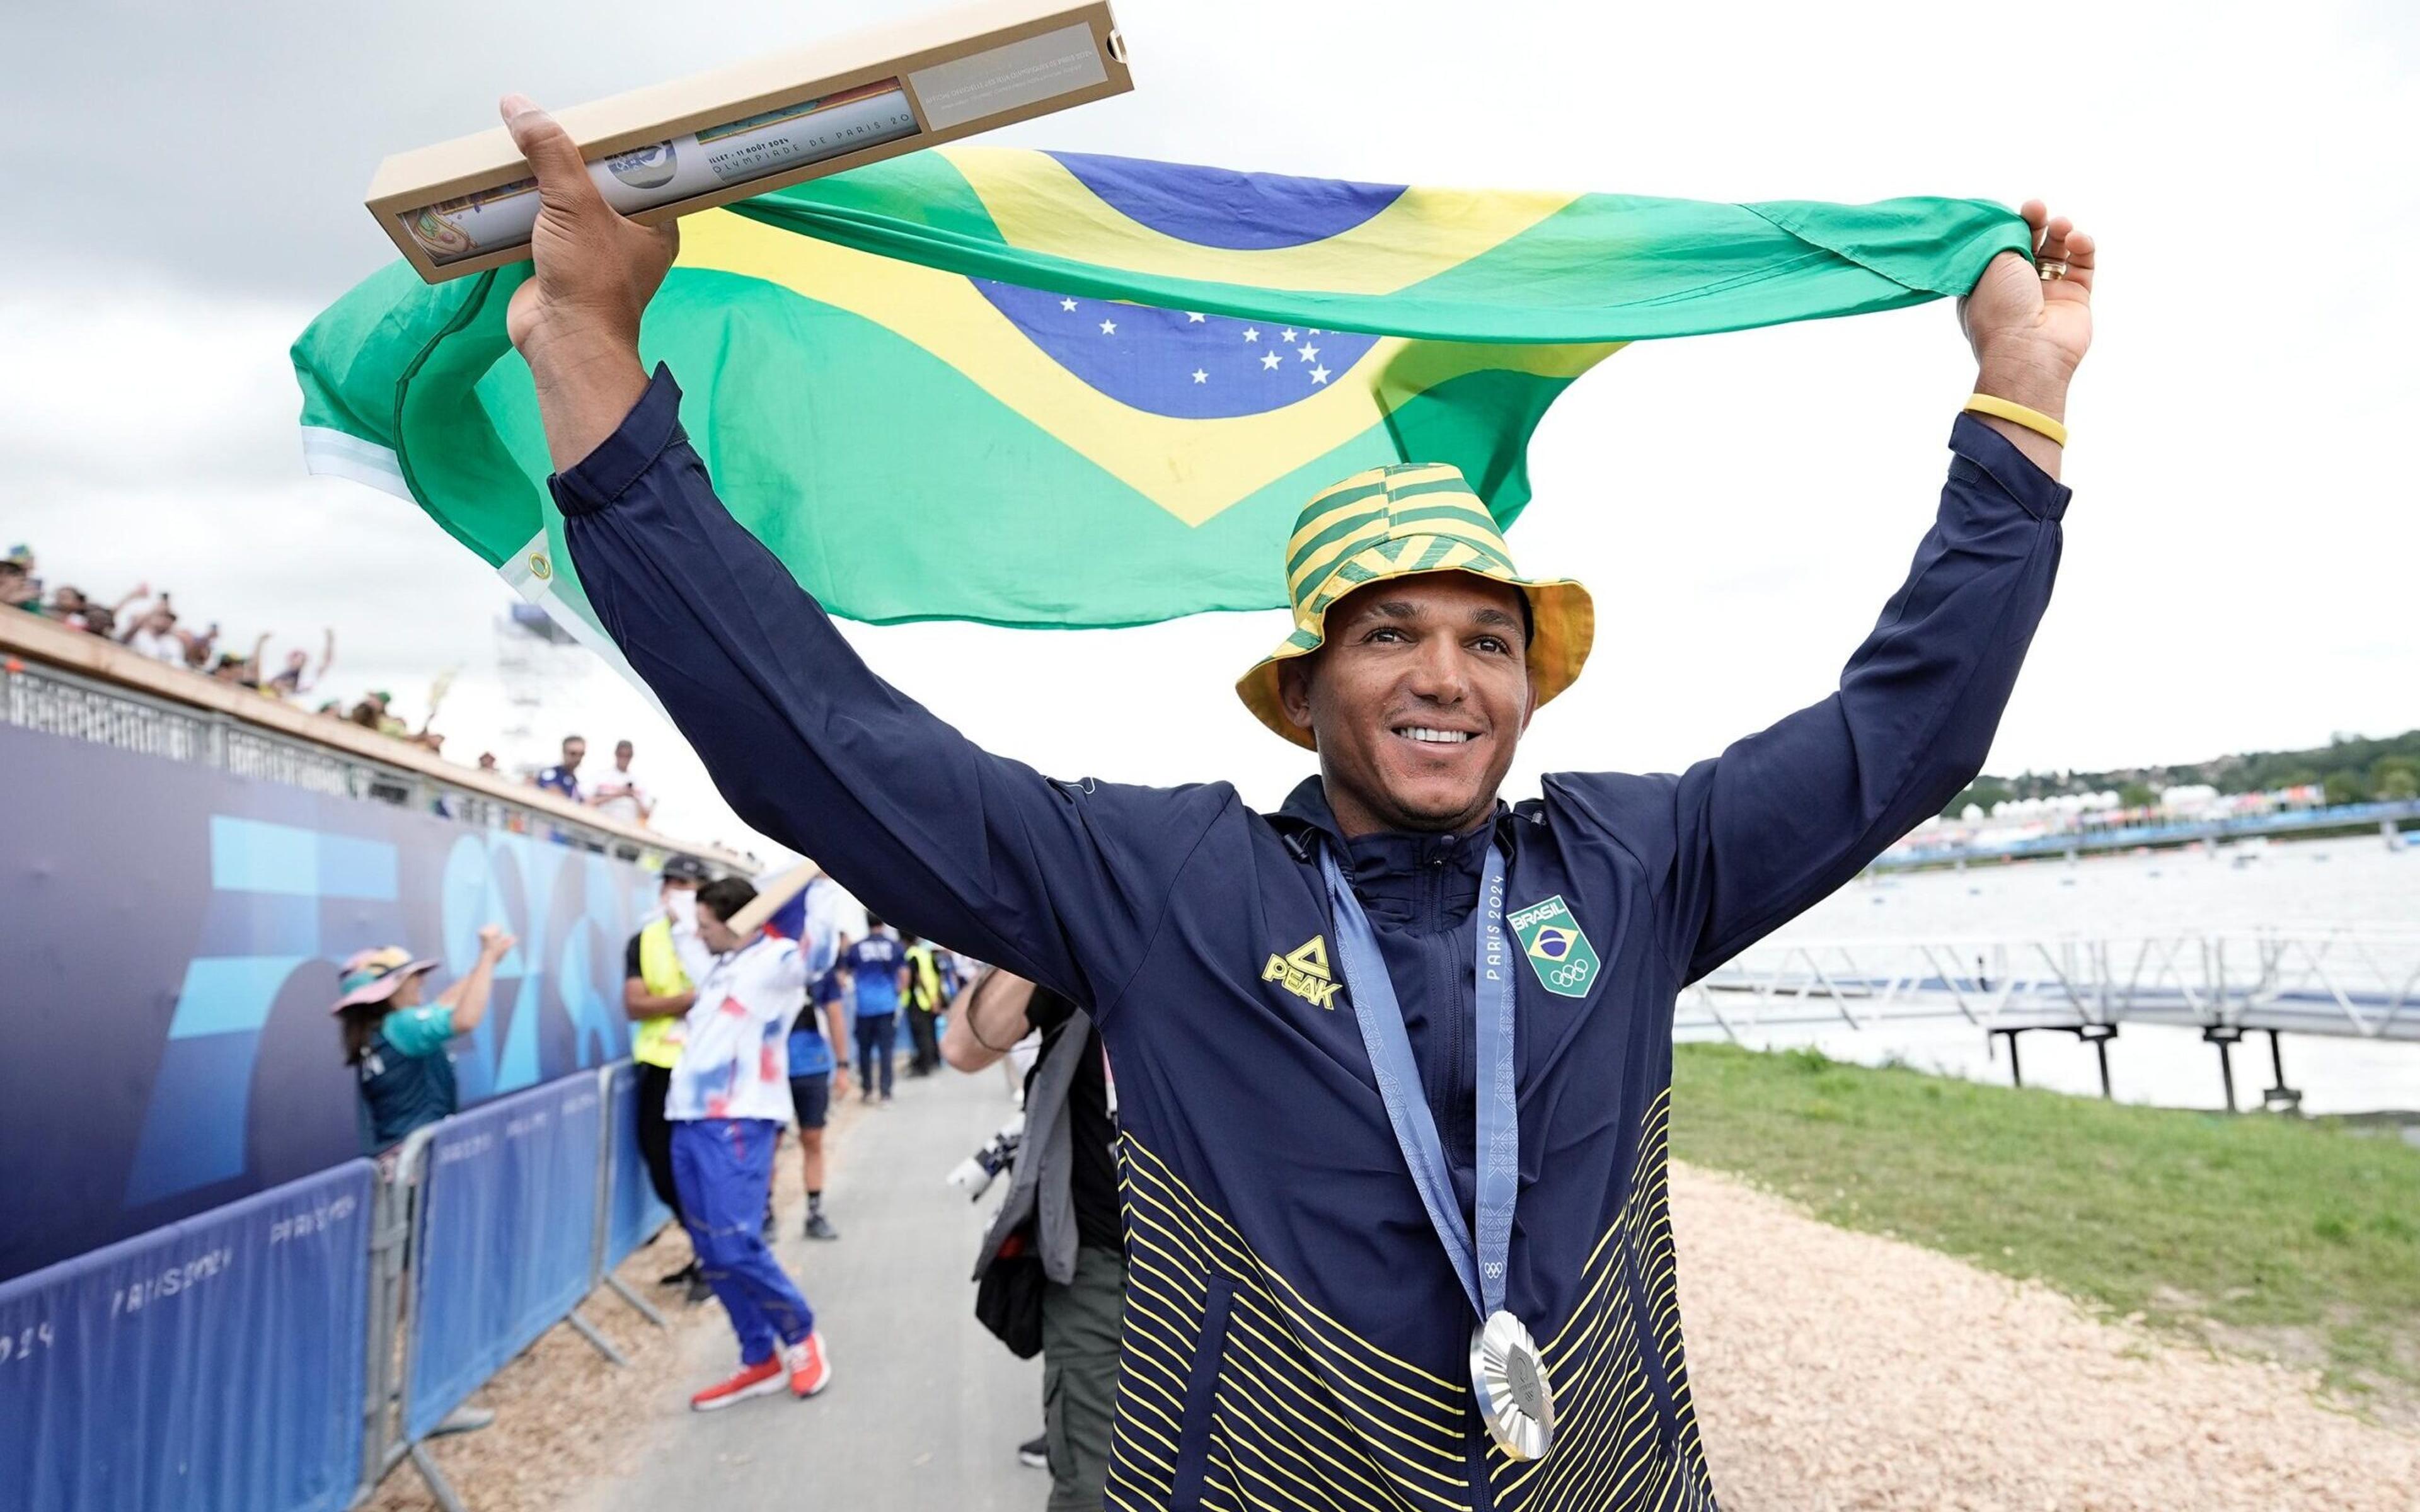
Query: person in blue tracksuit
{"points": [[1300, 1313], [874, 971]]}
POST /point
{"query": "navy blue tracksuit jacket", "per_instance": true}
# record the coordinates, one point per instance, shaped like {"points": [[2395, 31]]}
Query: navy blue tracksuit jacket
{"points": [[1295, 1334]]}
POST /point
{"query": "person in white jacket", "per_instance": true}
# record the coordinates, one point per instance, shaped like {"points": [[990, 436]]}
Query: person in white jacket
{"points": [[730, 1095]]}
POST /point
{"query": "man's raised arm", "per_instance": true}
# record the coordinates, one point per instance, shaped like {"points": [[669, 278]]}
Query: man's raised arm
{"points": [[1785, 816], [1065, 883]]}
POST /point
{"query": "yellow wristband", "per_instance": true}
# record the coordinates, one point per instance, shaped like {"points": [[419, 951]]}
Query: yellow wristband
{"points": [[2017, 414]]}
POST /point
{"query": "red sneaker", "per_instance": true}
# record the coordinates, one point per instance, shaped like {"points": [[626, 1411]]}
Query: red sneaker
{"points": [[751, 1380], [810, 1372]]}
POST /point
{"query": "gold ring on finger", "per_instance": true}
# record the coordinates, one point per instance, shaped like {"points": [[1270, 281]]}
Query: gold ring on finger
{"points": [[2054, 269]]}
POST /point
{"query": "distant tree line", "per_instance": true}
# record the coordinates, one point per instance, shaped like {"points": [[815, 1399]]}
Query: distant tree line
{"points": [[2353, 769]]}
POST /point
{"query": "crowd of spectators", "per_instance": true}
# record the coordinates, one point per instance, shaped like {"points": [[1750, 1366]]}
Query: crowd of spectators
{"points": [[149, 625]]}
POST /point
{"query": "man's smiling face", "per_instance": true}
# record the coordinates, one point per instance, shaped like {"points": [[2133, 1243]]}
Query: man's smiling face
{"points": [[1417, 699]]}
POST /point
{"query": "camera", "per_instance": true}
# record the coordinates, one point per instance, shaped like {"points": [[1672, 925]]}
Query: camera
{"points": [[973, 1175]]}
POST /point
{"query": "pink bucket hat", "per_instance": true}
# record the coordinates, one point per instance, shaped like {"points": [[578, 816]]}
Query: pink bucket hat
{"points": [[372, 976]]}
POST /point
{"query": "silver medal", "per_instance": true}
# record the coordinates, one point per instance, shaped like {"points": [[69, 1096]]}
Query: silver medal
{"points": [[1509, 1376]]}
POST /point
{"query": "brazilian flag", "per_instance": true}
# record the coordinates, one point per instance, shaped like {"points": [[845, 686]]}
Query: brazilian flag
{"points": [[1054, 390]]}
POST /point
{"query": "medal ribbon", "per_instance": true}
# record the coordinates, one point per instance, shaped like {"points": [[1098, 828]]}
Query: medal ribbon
{"points": [[1380, 1013]]}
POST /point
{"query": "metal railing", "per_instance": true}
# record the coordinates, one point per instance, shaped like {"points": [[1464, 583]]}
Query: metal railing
{"points": [[2342, 983], [2364, 984]]}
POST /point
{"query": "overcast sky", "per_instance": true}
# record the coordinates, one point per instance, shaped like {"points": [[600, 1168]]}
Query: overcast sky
{"points": [[2239, 569]]}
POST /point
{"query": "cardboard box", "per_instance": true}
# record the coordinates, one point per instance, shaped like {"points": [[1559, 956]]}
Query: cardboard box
{"points": [[465, 206]]}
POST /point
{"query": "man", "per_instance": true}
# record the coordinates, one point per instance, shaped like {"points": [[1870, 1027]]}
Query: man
{"points": [[198, 647], [729, 1098], [295, 679], [1358, 1037], [927, 996], [661, 966], [75, 609], [563, 777], [620, 794], [819, 1074], [1062, 1200], [19, 587], [236, 672], [874, 971], [154, 633], [376, 712]]}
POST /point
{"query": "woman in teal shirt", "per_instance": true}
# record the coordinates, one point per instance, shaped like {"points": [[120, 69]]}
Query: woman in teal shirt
{"points": [[397, 1044]]}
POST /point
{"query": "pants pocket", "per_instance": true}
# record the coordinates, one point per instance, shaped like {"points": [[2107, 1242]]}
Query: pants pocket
{"points": [[1201, 1391]]}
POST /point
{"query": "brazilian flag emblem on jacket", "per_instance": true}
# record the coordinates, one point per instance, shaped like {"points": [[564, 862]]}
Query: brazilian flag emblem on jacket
{"points": [[1561, 956]]}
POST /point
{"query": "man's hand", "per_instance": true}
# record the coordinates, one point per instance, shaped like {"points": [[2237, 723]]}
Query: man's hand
{"points": [[2029, 332], [494, 944], [839, 1080], [577, 321]]}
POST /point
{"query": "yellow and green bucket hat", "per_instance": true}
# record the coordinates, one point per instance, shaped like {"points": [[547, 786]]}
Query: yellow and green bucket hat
{"points": [[1393, 522]]}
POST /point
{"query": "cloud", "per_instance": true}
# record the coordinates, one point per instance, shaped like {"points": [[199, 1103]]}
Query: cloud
{"points": [[1743, 505], [136, 381]]}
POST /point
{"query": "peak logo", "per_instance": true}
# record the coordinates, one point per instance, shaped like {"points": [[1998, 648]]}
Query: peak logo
{"points": [[1303, 971]]}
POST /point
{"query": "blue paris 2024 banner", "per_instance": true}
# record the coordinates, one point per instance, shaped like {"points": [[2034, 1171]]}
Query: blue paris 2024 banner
{"points": [[172, 934], [213, 1363]]}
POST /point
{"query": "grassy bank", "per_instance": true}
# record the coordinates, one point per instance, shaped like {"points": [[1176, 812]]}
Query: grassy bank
{"points": [[2290, 1240]]}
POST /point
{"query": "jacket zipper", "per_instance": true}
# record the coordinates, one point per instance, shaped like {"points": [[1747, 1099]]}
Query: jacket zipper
{"points": [[1462, 1085]]}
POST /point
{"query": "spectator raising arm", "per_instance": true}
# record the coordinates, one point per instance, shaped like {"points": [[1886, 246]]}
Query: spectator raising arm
{"points": [[467, 999], [129, 622]]}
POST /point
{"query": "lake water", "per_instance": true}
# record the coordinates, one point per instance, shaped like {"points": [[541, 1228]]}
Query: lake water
{"points": [[2318, 884]]}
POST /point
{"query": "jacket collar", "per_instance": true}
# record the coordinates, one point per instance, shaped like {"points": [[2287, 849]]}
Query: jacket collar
{"points": [[1305, 822]]}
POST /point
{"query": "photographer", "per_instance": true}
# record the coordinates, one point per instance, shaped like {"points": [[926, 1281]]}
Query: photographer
{"points": [[1061, 1213]]}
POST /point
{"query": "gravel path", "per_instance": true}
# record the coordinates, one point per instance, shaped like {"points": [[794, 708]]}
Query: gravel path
{"points": [[1837, 1371]]}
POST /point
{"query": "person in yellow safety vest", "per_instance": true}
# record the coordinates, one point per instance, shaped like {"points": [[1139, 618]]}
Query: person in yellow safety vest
{"points": [[926, 999], [661, 966]]}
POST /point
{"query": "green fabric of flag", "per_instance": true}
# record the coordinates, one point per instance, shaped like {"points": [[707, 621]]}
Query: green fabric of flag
{"points": [[1053, 390]]}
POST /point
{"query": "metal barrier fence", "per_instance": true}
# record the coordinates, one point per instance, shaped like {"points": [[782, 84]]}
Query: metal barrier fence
{"points": [[437, 1222], [261, 1357], [194, 1367]]}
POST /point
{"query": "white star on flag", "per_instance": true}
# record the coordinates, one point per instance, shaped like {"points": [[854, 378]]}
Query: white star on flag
{"points": [[1109, 328], [1310, 353], [1287, 334], [1192, 317], [1066, 304], [1319, 375], [1200, 377], [1268, 359], [1251, 333], [1314, 330]]}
